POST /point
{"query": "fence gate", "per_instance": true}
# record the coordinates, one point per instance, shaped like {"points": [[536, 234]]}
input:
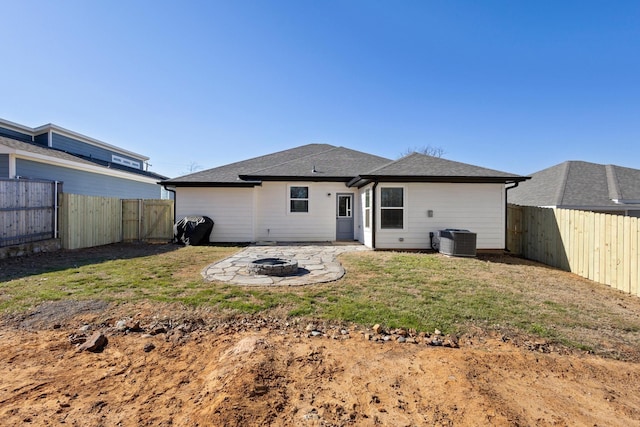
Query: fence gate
{"points": [[148, 220], [27, 211]]}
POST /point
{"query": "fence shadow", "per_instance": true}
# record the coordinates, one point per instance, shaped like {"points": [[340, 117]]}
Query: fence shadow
{"points": [[19, 267]]}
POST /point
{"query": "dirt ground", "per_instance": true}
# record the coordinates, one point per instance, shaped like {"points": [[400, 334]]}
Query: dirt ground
{"points": [[204, 370]]}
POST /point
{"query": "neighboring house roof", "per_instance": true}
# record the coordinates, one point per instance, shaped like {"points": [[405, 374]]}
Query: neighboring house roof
{"points": [[581, 185], [27, 150], [324, 162]]}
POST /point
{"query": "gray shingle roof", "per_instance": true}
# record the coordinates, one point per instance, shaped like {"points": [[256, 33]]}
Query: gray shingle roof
{"points": [[50, 152], [324, 162], [577, 184], [421, 165], [330, 163]]}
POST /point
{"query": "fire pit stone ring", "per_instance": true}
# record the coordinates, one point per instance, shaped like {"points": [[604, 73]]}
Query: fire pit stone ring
{"points": [[273, 267]]}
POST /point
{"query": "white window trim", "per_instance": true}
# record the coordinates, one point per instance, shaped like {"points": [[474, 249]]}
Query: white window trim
{"points": [[405, 208], [124, 161], [367, 209], [308, 199]]}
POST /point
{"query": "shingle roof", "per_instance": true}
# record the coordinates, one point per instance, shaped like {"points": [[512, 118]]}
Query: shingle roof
{"points": [[330, 163], [578, 184], [417, 164], [50, 152], [324, 162]]}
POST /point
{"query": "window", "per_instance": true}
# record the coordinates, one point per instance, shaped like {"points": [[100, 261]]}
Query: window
{"points": [[392, 207], [126, 162], [367, 208], [298, 199]]}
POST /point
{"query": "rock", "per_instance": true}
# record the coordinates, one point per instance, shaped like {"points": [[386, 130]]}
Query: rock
{"points": [[95, 343], [344, 332], [76, 339], [57, 326], [402, 332], [451, 341], [148, 347], [315, 333], [401, 339], [436, 340], [437, 332], [377, 328], [84, 328], [159, 329], [386, 338], [367, 336], [310, 327], [121, 325]]}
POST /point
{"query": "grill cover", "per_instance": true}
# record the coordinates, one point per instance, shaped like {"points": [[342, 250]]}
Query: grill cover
{"points": [[193, 230]]}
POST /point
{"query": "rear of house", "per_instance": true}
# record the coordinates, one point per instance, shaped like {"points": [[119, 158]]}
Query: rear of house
{"points": [[322, 193]]}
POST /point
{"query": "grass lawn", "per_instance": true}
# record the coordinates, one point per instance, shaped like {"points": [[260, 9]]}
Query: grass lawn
{"points": [[395, 289]]}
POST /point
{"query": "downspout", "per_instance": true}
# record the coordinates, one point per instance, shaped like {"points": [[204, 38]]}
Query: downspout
{"points": [[55, 209], [506, 212], [373, 215], [175, 198]]}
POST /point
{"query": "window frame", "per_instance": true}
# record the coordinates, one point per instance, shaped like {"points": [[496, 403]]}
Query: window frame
{"points": [[402, 208], [367, 208], [290, 199]]}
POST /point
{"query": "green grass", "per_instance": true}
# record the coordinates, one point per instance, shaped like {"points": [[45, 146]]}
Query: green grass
{"points": [[409, 290]]}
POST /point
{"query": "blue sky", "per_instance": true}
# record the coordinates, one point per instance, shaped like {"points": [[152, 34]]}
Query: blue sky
{"points": [[510, 85]]}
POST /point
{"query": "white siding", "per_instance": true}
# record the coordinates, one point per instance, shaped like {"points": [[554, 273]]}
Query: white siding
{"points": [[366, 237], [475, 207], [231, 210], [274, 222]]}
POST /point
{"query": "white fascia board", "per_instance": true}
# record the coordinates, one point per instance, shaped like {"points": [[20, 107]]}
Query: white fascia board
{"points": [[26, 155], [16, 126], [50, 127], [625, 202]]}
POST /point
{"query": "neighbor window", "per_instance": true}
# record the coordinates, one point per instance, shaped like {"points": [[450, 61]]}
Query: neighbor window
{"points": [[367, 208], [298, 199], [392, 207]]}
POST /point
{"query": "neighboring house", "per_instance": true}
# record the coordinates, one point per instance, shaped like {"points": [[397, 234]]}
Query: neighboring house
{"points": [[320, 192], [84, 165], [582, 185]]}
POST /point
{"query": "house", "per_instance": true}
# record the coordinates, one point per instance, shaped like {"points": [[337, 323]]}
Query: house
{"points": [[582, 185], [319, 192], [82, 164]]}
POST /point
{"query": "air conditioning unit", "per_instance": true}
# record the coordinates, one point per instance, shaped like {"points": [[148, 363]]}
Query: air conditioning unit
{"points": [[457, 242]]}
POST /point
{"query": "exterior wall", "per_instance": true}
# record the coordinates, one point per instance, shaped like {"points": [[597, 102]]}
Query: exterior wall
{"points": [[231, 209], [42, 139], [87, 183], [20, 136], [4, 166], [274, 222], [479, 208], [70, 145]]}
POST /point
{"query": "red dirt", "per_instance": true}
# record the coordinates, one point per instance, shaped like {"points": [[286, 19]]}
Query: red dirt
{"points": [[255, 371]]}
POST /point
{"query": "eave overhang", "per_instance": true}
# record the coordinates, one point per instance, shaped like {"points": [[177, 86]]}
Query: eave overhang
{"points": [[201, 184], [363, 180]]}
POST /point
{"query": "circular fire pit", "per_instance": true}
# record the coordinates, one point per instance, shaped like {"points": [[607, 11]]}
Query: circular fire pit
{"points": [[273, 267]]}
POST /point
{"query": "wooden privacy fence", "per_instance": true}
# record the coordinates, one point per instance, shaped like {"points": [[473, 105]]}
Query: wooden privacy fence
{"points": [[148, 220], [87, 221], [600, 247], [27, 211]]}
